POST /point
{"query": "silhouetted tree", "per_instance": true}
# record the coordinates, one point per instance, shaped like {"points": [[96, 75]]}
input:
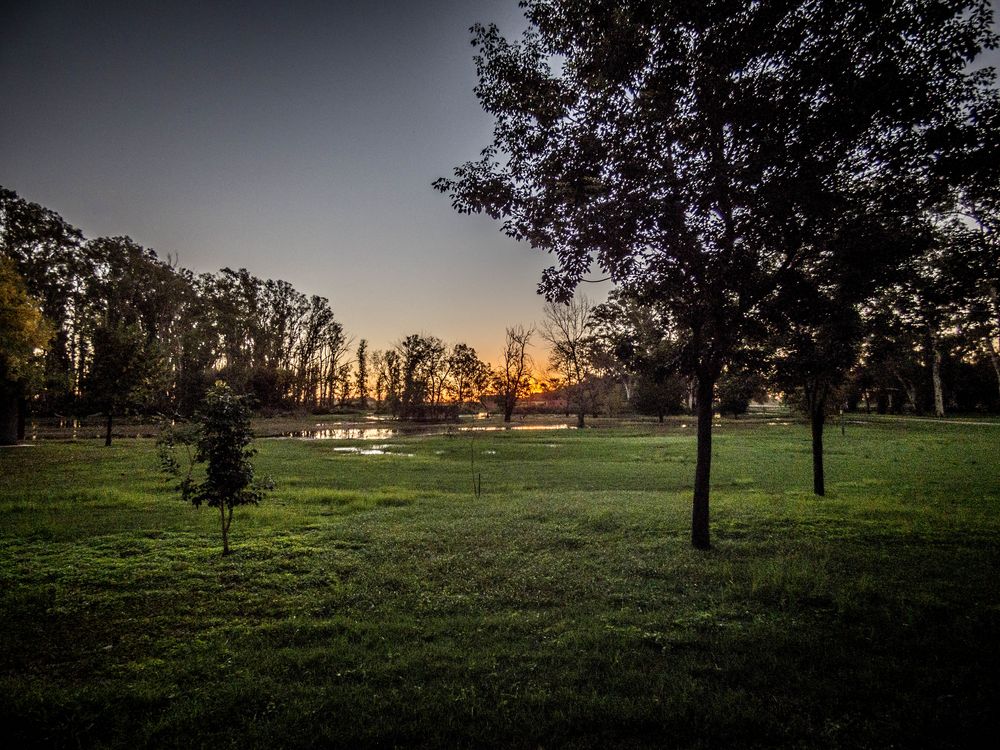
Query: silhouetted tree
{"points": [[641, 337], [658, 397], [362, 374], [123, 366], [421, 362], [812, 359], [738, 385], [469, 375], [512, 378], [684, 146], [567, 329], [46, 253]]}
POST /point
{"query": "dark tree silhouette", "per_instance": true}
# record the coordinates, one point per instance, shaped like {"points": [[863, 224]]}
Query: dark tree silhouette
{"points": [[121, 371], [684, 147], [362, 373], [46, 252], [567, 328], [469, 375], [512, 377]]}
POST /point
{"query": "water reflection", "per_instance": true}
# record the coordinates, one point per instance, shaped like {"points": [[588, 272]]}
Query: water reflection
{"points": [[344, 433], [501, 428], [386, 433], [377, 450]]}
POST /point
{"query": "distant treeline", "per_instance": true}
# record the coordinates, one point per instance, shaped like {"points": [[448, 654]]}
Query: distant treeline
{"points": [[125, 331], [133, 331]]}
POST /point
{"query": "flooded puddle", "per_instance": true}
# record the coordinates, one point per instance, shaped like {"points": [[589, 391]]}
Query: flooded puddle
{"points": [[503, 428], [344, 433], [321, 432], [375, 450]]}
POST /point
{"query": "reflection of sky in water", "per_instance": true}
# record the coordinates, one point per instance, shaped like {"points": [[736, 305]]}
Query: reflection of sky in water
{"points": [[500, 428], [385, 433], [377, 450], [345, 433]]}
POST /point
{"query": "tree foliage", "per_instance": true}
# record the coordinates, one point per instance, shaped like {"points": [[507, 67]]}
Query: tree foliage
{"points": [[222, 441], [702, 153], [23, 334], [263, 337]]}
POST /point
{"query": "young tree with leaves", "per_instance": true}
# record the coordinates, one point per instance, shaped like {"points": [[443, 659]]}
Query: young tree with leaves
{"points": [[222, 439]]}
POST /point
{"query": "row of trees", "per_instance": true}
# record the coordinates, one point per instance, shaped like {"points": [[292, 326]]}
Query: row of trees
{"points": [[753, 175], [106, 326], [422, 378], [127, 330], [123, 330]]}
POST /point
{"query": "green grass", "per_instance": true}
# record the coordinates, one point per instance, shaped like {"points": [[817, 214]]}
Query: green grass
{"points": [[373, 600]]}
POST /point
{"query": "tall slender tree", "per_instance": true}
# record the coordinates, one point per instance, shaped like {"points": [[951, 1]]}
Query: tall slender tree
{"points": [[567, 329], [362, 374], [512, 377]]}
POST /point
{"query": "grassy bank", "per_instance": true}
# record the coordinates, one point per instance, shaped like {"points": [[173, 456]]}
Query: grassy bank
{"points": [[373, 600]]}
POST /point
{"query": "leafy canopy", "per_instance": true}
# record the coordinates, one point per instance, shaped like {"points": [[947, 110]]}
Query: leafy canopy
{"points": [[222, 441], [23, 330]]}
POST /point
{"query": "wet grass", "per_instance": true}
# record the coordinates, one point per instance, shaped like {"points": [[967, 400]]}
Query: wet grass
{"points": [[373, 600]]}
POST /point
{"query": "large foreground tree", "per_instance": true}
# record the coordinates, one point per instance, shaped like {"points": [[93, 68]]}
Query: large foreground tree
{"points": [[698, 152]]}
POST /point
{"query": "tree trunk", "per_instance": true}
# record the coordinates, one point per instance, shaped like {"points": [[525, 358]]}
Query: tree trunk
{"points": [[107, 431], [817, 416], [8, 416], [993, 351], [225, 527], [995, 359], [936, 379], [22, 416], [579, 419], [703, 468], [508, 409], [912, 397]]}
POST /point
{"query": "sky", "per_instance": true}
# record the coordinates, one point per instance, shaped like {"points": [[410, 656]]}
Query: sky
{"points": [[296, 139]]}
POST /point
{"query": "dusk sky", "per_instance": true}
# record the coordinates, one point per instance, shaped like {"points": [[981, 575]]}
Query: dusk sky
{"points": [[298, 140]]}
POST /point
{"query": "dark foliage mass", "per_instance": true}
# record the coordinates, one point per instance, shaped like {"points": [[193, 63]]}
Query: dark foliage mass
{"points": [[731, 163], [794, 199], [136, 333]]}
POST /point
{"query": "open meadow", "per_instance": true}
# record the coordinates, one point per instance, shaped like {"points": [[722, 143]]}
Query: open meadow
{"points": [[375, 600]]}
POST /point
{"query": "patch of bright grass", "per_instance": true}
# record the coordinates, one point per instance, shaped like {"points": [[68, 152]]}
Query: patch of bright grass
{"points": [[373, 600]]}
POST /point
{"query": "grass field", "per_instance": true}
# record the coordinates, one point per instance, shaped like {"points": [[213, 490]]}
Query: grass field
{"points": [[374, 600]]}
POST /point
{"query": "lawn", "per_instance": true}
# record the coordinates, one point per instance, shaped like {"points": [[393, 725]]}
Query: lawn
{"points": [[374, 600]]}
